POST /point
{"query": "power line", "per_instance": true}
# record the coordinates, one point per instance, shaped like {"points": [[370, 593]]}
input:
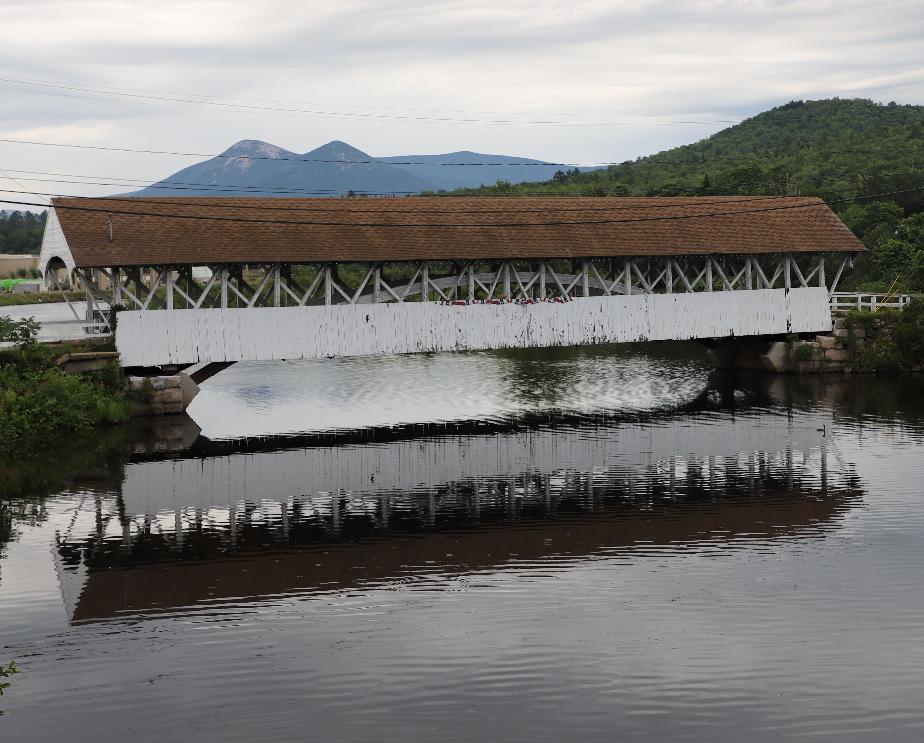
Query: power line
{"points": [[215, 203], [244, 220], [631, 163], [114, 89], [138, 97], [280, 192]]}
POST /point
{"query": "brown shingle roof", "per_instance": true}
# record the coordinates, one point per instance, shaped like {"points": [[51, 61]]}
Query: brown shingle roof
{"points": [[203, 230]]}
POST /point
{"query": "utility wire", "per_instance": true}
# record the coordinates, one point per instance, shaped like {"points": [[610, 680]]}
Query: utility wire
{"points": [[138, 97], [282, 192], [216, 203], [430, 225], [639, 162]]}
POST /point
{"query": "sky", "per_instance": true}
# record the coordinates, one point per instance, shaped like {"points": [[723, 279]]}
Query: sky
{"points": [[565, 81]]}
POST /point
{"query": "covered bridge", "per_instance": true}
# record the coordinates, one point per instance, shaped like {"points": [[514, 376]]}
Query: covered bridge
{"points": [[228, 279]]}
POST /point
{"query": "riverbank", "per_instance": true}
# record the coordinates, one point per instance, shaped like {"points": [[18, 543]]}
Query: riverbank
{"points": [[865, 342], [39, 399], [15, 300]]}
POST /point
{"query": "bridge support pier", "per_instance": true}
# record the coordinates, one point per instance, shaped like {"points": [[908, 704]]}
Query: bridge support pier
{"points": [[758, 353]]}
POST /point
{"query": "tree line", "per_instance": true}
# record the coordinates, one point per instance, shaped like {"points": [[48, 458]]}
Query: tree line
{"points": [[21, 232]]}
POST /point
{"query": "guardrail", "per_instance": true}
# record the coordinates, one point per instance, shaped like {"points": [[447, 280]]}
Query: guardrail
{"points": [[844, 301]]}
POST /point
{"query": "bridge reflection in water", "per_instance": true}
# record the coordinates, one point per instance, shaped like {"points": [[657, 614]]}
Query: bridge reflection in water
{"points": [[193, 533]]}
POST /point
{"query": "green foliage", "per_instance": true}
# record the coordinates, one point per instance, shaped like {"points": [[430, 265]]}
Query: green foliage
{"points": [[20, 332], [21, 232], [893, 341], [37, 399], [909, 333], [802, 352], [6, 672], [836, 149], [7, 300]]}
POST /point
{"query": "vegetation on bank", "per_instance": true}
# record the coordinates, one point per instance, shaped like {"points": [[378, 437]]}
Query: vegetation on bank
{"points": [[840, 150], [21, 232], [10, 300], [10, 669], [38, 400], [891, 341]]}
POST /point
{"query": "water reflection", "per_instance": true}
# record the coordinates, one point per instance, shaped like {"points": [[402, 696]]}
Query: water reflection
{"points": [[301, 520]]}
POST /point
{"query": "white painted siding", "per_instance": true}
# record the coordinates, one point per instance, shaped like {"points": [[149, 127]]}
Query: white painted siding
{"points": [[54, 245], [403, 467], [151, 338]]}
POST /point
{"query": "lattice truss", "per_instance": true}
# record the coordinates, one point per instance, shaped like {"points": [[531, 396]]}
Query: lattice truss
{"points": [[286, 285]]}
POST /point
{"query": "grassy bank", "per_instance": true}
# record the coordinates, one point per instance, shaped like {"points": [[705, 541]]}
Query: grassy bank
{"points": [[12, 300], [38, 400], [887, 340]]}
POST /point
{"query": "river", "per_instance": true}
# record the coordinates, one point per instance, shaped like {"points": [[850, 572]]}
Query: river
{"points": [[596, 544]]}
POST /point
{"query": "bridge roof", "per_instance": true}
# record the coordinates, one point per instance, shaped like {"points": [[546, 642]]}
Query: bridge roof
{"points": [[202, 230]]}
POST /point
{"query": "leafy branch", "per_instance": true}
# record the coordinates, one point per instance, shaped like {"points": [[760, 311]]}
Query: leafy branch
{"points": [[6, 672]]}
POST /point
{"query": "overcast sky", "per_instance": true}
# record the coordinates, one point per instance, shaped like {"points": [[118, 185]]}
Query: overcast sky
{"points": [[380, 74]]}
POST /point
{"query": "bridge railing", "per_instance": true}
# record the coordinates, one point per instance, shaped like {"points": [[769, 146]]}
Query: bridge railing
{"points": [[846, 301]]}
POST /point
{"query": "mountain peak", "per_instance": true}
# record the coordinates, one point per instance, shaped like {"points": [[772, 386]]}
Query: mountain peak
{"points": [[255, 148], [337, 150]]}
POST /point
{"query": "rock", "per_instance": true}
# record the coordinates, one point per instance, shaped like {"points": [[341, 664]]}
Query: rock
{"points": [[826, 341], [858, 332], [172, 408], [169, 396], [836, 354], [841, 333]]}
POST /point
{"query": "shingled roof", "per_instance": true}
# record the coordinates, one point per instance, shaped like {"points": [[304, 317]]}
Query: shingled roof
{"points": [[198, 230]]}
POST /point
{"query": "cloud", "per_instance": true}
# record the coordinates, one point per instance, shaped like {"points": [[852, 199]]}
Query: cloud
{"points": [[647, 61]]}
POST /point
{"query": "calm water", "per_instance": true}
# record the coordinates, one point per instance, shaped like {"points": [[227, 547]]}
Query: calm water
{"points": [[608, 544]]}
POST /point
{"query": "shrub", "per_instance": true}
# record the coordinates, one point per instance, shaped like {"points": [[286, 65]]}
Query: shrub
{"points": [[803, 352], [38, 399]]}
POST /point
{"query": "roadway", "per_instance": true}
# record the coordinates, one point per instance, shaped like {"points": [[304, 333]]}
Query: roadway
{"points": [[51, 316]]}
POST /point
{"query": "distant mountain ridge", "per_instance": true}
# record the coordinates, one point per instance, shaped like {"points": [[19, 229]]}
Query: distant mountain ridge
{"points": [[253, 167]]}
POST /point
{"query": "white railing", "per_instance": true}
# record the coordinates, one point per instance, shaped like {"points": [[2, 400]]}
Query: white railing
{"points": [[844, 301]]}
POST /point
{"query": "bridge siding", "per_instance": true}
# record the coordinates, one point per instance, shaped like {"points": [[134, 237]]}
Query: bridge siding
{"points": [[188, 336], [403, 468]]}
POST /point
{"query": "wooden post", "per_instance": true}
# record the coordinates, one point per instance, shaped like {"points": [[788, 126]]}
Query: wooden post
{"points": [[87, 279], [276, 287], [822, 282], [168, 275], [708, 273], [224, 287], [506, 270], [116, 285], [328, 286], [377, 284], [669, 276], [585, 277], [424, 282], [628, 276], [471, 281], [787, 272], [542, 280], [748, 279]]}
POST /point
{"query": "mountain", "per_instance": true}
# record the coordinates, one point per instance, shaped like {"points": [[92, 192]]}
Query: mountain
{"points": [[466, 169], [826, 147], [336, 168], [865, 159]]}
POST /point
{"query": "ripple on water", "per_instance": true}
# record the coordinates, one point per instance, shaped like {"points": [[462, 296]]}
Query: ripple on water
{"points": [[722, 571]]}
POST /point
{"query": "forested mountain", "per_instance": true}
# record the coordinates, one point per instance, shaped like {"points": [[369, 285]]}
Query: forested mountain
{"points": [[21, 232], [866, 159]]}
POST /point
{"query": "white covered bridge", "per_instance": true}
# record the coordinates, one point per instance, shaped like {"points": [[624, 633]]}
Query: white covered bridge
{"points": [[231, 279]]}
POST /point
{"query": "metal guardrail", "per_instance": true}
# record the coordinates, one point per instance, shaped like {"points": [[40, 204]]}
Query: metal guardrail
{"points": [[844, 301]]}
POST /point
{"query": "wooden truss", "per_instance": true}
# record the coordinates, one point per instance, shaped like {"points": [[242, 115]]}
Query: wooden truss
{"points": [[284, 285]]}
